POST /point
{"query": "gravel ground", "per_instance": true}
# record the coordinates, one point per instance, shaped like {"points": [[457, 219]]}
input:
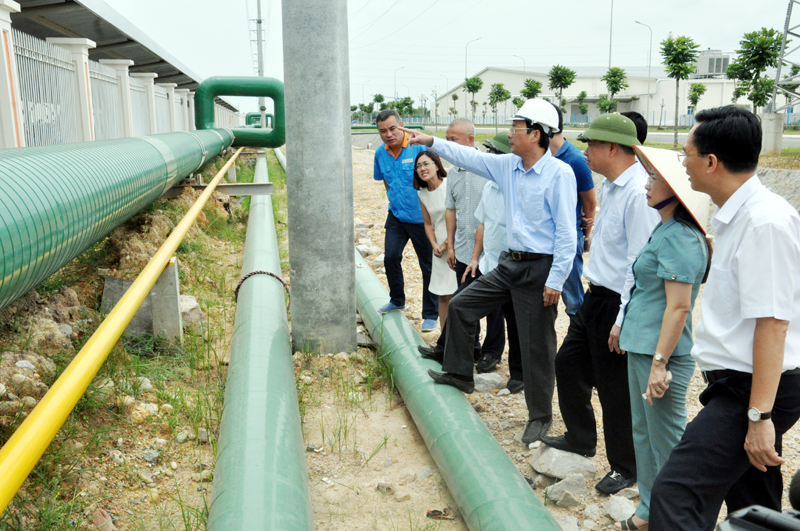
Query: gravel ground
{"points": [[506, 415]]}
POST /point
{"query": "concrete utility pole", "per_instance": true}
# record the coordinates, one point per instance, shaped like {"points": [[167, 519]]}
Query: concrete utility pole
{"points": [[319, 179], [610, 33], [649, 55], [262, 105]]}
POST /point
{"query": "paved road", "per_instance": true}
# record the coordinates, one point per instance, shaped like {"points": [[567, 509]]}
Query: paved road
{"points": [[658, 136]]}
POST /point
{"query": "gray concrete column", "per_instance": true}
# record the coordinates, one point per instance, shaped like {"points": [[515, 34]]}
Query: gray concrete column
{"points": [[319, 177], [772, 132]]}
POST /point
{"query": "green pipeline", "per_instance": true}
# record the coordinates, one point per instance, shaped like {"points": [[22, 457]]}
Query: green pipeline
{"points": [[266, 87], [489, 490], [254, 118], [57, 201], [260, 479], [375, 127]]}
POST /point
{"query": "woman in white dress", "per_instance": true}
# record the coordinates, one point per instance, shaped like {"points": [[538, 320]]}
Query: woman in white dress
{"points": [[429, 177]]}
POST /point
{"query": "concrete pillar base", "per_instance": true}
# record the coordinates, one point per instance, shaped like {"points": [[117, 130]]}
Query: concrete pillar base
{"points": [[772, 131], [165, 298]]}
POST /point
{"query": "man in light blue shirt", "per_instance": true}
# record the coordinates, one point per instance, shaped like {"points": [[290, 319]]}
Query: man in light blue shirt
{"points": [[540, 198]]}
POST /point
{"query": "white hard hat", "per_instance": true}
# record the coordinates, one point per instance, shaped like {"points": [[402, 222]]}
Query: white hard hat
{"points": [[539, 112]]}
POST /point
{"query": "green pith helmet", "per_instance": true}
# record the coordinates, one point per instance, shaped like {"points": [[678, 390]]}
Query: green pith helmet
{"points": [[498, 143], [613, 128]]}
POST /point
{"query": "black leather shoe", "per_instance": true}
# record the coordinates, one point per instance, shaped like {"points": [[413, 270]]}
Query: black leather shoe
{"points": [[487, 363], [515, 386], [448, 379], [614, 482], [430, 354], [535, 430], [560, 443]]}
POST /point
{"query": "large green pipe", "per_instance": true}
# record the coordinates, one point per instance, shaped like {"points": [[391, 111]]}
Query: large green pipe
{"points": [[57, 201], [260, 479], [488, 488], [265, 87], [254, 118]]}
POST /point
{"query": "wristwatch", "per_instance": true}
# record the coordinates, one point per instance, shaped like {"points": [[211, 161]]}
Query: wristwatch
{"points": [[659, 358], [757, 416]]}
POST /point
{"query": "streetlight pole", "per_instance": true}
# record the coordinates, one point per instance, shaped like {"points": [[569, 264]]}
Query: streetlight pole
{"points": [[447, 85], [523, 62], [610, 33], [395, 82], [408, 90], [649, 56], [363, 98], [466, 112]]}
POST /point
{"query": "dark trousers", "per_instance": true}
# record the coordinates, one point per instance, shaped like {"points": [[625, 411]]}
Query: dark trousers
{"points": [[495, 341], [583, 362], [514, 350], [709, 464], [522, 284], [397, 235]]}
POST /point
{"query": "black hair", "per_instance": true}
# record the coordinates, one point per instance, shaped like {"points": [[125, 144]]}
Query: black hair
{"points": [[385, 114], [628, 150], [682, 215], [544, 138], [440, 171], [640, 123], [732, 134], [560, 116]]}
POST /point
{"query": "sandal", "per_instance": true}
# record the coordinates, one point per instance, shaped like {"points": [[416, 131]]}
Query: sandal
{"points": [[628, 524]]}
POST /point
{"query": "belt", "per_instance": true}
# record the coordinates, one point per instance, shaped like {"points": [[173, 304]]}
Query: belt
{"points": [[712, 376], [600, 291], [522, 255]]}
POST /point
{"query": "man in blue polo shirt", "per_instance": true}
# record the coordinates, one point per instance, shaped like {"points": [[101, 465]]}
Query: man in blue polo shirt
{"points": [[394, 165]]}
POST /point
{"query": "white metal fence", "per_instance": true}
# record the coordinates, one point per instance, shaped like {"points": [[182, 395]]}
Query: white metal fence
{"points": [[48, 91], [106, 107], [53, 96], [139, 114]]}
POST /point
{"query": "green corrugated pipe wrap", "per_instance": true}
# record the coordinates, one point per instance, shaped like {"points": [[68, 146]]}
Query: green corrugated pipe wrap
{"points": [[260, 479], [265, 87], [57, 201], [488, 488], [254, 118]]}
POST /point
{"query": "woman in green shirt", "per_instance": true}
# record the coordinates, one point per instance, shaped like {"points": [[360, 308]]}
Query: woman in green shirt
{"points": [[657, 329]]}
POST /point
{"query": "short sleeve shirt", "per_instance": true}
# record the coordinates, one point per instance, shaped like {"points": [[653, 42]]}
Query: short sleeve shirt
{"points": [[677, 252], [573, 156], [492, 213], [464, 190], [398, 172]]}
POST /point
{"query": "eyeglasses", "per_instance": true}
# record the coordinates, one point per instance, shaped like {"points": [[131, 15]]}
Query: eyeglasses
{"points": [[424, 165], [682, 156], [513, 129]]}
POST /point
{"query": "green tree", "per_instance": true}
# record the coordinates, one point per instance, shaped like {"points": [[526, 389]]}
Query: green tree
{"points": [[453, 111], [560, 78], [531, 89], [616, 81], [485, 110], [606, 105], [455, 99], [366, 109], [473, 85], [761, 91], [518, 102], [758, 51], [405, 107], [696, 91], [497, 95], [379, 99], [793, 87], [582, 107], [680, 55]]}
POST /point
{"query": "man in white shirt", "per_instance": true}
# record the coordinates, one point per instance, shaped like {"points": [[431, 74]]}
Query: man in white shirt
{"points": [[748, 341], [590, 356]]}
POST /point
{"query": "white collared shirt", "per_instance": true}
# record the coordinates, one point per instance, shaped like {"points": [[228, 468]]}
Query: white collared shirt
{"points": [[492, 213], [755, 272], [621, 229]]}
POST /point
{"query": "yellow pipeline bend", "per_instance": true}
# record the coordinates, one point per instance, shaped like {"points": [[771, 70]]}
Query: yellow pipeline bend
{"points": [[22, 451]]}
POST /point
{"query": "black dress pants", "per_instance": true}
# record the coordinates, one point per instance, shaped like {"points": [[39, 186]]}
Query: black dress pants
{"points": [[584, 362], [521, 283], [709, 464]]}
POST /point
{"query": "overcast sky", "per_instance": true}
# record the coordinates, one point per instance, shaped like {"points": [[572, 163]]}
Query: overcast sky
{"points": [[428, 37]]}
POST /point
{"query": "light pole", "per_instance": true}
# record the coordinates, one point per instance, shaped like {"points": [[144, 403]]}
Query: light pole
{"points": [[447, 83], [395, 82], [408, 90], [649, 55], [610, 33], [466, 111], [363, 98], [523, 62]]}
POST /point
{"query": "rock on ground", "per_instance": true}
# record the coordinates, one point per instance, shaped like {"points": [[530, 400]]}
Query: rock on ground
{"points": [[574, 484], [484, 383], [191, 313], [568, 522], [560, 464], [619, 508]]}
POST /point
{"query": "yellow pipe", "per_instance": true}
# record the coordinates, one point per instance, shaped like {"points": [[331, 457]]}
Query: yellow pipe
{"points": [[24, 449]]}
